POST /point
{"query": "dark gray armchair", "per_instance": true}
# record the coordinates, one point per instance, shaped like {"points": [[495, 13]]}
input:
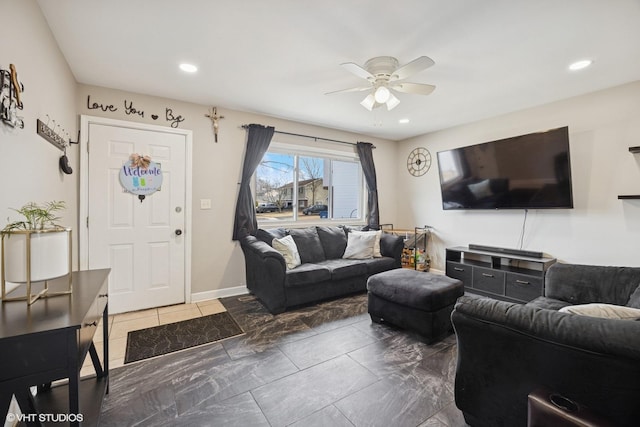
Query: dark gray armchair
{"points": [[506, 350]]}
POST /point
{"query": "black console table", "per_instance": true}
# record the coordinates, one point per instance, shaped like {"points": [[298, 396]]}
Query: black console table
{"points": [[505, 276], [49, 341]]}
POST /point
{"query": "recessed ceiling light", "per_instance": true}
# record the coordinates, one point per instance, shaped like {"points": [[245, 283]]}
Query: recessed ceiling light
{"points": [[579, 65], [403, 121], [189, 68]]}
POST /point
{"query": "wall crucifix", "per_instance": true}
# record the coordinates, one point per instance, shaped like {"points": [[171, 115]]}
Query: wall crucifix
{"points": [[214, 117]]}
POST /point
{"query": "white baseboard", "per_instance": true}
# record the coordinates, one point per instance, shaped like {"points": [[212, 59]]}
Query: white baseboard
{"points": [[219, 293]]}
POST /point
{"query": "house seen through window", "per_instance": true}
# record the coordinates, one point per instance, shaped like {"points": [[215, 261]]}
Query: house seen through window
{"points": [[308, 187]]}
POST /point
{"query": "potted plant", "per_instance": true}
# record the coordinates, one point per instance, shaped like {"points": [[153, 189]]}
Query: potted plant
{"points": [[35, 248]]}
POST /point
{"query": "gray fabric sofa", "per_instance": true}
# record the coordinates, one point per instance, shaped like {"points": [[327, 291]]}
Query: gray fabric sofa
{"points": [[506, 350], [323, 274]]}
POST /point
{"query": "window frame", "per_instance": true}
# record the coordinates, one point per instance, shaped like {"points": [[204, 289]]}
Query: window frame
{"points": [[298, 151]]}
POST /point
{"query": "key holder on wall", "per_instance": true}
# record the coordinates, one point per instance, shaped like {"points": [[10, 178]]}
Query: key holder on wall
{"points": [[53, 136]]}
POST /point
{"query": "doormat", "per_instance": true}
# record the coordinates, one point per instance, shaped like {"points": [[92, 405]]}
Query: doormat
{"points": [[164, 339]]}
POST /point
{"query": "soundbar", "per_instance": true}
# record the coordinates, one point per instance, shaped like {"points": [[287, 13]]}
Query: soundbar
{"points": [[521, 252]]}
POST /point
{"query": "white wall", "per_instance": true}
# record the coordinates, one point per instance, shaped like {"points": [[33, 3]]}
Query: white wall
{"points": [[29, 170], [599, 230], [217, 261]]}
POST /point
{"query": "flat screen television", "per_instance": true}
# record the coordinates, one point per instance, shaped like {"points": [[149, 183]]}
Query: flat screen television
{"points": [[530, 171]]}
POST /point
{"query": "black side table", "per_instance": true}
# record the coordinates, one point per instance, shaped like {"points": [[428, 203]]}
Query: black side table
{"points": [[49, 341]]}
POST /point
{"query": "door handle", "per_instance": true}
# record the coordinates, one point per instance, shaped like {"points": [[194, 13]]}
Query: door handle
{"points": [[178, 232]]}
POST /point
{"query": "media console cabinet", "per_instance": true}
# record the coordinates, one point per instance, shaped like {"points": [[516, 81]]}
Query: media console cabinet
{"points": [[497, 274], [49, 341]]}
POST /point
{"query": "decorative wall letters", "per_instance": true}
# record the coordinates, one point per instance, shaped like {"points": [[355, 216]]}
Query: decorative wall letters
{"points": [[131, 109]]}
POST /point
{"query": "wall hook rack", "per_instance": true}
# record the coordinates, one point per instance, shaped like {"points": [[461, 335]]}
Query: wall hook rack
{"points": [[53, 137]]}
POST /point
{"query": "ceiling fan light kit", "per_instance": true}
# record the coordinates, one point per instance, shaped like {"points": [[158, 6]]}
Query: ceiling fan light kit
{"points": [[385, 76]]}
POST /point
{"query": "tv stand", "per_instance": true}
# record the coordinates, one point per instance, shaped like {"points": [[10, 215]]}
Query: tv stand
{"points": [[500, 274]]}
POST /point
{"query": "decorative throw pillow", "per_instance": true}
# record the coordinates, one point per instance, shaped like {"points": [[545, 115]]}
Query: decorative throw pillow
{"points": [[359, 246], [606, 311], [376, 245], [634, 299], [287, 247]]}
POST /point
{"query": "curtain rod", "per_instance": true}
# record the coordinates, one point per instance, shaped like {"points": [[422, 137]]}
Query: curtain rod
{"points": [[315, 138]]}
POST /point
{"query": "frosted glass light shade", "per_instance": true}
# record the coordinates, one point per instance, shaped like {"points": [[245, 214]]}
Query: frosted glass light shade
{"points": [[49, 256], [369, 102], [392, 102], [382, 95]]}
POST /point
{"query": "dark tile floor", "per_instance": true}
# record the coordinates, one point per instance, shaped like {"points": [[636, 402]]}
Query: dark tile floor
{"points": [[325, 365]]}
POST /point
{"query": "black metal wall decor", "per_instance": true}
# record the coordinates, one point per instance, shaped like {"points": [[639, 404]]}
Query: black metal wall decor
{"points": [[10, 97], [129, 109]]}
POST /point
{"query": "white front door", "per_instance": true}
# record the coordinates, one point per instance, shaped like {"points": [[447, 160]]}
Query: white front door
{"points": [[143, 242]]}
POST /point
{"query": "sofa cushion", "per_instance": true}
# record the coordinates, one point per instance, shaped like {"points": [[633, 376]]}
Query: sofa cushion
{"points": [[308, 244], [359, 246], [634, 299], [376, 244], [287, 247], [334, 241], [605, 311], [307, 274], [378, 265], [267, 236], [345, 268]]}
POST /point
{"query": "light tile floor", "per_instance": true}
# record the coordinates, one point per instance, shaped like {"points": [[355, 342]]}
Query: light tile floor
{"points": [[121, 324]]}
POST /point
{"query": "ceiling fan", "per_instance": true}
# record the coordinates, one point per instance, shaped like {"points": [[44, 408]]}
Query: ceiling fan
{"points": [[385, 75]]}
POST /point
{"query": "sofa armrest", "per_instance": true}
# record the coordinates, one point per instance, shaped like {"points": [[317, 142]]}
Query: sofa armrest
{"points": [[507, 350], [391, 245], [265, 273], [583, 284]]}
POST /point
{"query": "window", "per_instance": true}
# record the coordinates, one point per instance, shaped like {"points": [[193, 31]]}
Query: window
{"points": [[292, 185]]}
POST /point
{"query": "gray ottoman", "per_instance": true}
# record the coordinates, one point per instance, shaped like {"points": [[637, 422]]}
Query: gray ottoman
{"points": [[414, 300]]}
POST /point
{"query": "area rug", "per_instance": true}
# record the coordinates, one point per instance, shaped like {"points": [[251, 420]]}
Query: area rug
{"points": [[164, 339]]}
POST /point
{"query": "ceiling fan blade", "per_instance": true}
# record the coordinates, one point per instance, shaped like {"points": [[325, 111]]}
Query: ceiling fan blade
{"points": [[417, 88], [353, 89], [413, 67], [358, 70]]}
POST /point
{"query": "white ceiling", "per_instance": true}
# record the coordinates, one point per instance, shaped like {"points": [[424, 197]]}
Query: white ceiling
{"points": [[280, 57]]}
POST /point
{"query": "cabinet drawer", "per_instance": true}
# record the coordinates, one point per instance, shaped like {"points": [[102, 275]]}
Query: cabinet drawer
{"points": [[523, 287], [460, 271], [36, 353], [488, 280]]}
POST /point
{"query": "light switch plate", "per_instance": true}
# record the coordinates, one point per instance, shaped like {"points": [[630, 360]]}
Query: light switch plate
{"points": [[205, 203]]}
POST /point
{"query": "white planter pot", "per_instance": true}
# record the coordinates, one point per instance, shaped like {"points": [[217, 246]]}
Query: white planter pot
{"points": [[49, 255]]}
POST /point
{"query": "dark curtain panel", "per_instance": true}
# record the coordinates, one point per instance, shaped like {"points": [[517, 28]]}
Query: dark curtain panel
{"points": [[365, 152], [258, 140]]}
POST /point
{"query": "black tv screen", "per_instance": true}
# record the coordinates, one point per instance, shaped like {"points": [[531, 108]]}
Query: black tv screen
{"points": [[530, 171]]}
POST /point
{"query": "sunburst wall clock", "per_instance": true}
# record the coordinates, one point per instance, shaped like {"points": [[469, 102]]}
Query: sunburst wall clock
{"points": [[419, 161]]}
